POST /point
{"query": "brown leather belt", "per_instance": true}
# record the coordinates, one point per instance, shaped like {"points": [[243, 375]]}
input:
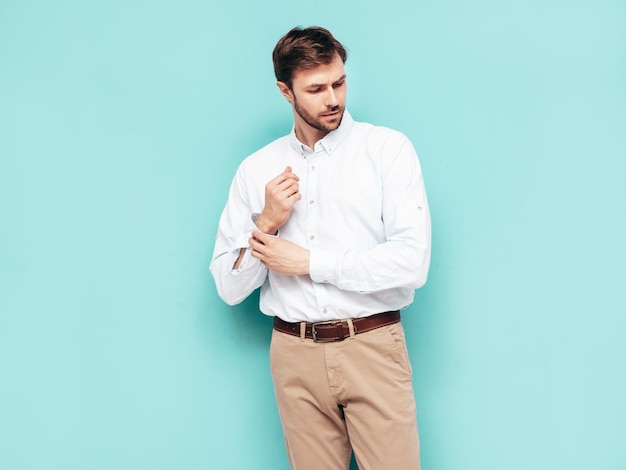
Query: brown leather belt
{"points": [[337, 330]]}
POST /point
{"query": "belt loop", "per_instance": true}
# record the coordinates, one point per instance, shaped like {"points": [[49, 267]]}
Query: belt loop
{"points": [[350, 327], [302, 330]]}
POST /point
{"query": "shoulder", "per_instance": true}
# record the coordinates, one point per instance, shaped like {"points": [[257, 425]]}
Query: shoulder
{"points": [[380, 137], [381, 133], [266, 154], [269, 149]]}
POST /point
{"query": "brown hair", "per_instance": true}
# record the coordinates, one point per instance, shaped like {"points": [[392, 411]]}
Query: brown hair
{"points": [[304, 49]]}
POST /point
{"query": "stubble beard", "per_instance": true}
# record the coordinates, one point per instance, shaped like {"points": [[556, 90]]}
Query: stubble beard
{"points": [[317, 123]]}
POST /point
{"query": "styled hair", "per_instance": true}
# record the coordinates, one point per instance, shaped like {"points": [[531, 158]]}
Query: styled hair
{"points": [[304, 49]]}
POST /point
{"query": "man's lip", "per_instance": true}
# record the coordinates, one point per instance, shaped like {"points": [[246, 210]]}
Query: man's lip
{"points": [[334, 113]]}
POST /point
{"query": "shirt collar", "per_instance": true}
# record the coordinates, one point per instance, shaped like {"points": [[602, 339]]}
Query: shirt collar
{"points": [[331, 140]]}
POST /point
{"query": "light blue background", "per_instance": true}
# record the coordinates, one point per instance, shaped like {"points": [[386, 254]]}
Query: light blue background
{"points": [[121, 126]]}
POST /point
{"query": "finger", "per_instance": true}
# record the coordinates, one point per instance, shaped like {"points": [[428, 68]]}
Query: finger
{"points": [[288, 172], [297, 196], [259, 237], [287, 183], [256, 244], [284, 179], [289, 189], [255, 248]]}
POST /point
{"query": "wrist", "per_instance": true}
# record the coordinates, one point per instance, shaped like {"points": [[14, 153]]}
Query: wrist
{"points": [[264, 225]]}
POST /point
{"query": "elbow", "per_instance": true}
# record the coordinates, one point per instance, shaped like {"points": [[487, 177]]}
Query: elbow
{"points": [[233, 286], [226, 289], [421, 265], [231, 297], [420, 280], [232, 301]]}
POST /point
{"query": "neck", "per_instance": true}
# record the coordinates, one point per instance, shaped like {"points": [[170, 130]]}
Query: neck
{"points": [[308, 135]]}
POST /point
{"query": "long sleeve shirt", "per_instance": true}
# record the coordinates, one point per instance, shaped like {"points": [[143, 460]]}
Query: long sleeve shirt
{"points": [[363, 215]]}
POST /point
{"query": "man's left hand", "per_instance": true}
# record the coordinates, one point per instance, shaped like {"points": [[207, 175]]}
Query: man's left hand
{"points": [[279, 254]]}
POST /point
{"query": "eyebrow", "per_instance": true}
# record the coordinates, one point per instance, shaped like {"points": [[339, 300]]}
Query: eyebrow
{"points": [[318, 85]]}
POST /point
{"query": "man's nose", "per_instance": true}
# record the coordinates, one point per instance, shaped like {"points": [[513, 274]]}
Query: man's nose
{"points": [[331, 98]]}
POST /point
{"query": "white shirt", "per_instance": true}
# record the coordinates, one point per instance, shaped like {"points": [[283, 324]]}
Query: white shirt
{"points": [[363, 215]]}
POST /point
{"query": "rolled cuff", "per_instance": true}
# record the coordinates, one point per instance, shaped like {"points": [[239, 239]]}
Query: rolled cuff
{"points": [[242, 241], [245, 234]]}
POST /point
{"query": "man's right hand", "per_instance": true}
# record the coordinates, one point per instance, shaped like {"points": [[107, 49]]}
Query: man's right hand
{"points": [[281, 194]]}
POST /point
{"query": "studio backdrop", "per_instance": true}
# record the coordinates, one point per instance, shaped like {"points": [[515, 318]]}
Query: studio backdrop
{"points": [[122, 123]]}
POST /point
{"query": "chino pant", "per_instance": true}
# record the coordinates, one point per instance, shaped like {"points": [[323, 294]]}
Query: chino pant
{"points": [[355, 394]]}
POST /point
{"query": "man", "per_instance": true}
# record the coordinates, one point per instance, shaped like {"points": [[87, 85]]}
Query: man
{"points": [[332, 222]]}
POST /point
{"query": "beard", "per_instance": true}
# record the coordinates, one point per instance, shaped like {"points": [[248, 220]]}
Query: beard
{"points": [[317, 123]]}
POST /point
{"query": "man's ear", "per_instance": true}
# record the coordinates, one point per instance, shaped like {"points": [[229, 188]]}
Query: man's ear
{"points": [[285, 91]]}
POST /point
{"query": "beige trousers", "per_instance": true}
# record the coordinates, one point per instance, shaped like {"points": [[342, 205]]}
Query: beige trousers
{"points": [[356, 394]]}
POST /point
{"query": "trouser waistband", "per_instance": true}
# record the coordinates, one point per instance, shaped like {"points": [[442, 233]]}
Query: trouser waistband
{"points": [[337, 330]]}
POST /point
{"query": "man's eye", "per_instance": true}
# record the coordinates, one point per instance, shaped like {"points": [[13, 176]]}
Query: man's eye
{"points": [[338, 85], [315, 90]]}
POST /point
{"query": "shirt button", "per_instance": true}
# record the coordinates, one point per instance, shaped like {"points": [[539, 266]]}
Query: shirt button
{"points": [[311, 201], [313, 167], [312, 237], [324, 310]]}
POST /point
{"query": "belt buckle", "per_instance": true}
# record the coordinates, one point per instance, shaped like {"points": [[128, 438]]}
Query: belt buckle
{"points": [[325, 323]]}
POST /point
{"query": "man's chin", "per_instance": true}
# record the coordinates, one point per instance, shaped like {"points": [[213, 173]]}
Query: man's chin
{"points": [[334, 123]]}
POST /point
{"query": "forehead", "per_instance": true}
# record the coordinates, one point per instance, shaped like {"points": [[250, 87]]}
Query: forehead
{"points": [[320, 75]]}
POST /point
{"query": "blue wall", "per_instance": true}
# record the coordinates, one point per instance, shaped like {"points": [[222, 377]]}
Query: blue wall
{"points": [[121, 125]]}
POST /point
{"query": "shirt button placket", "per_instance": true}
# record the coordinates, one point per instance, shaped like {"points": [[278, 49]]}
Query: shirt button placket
{"points": [[312, 225], [312, 212]]}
